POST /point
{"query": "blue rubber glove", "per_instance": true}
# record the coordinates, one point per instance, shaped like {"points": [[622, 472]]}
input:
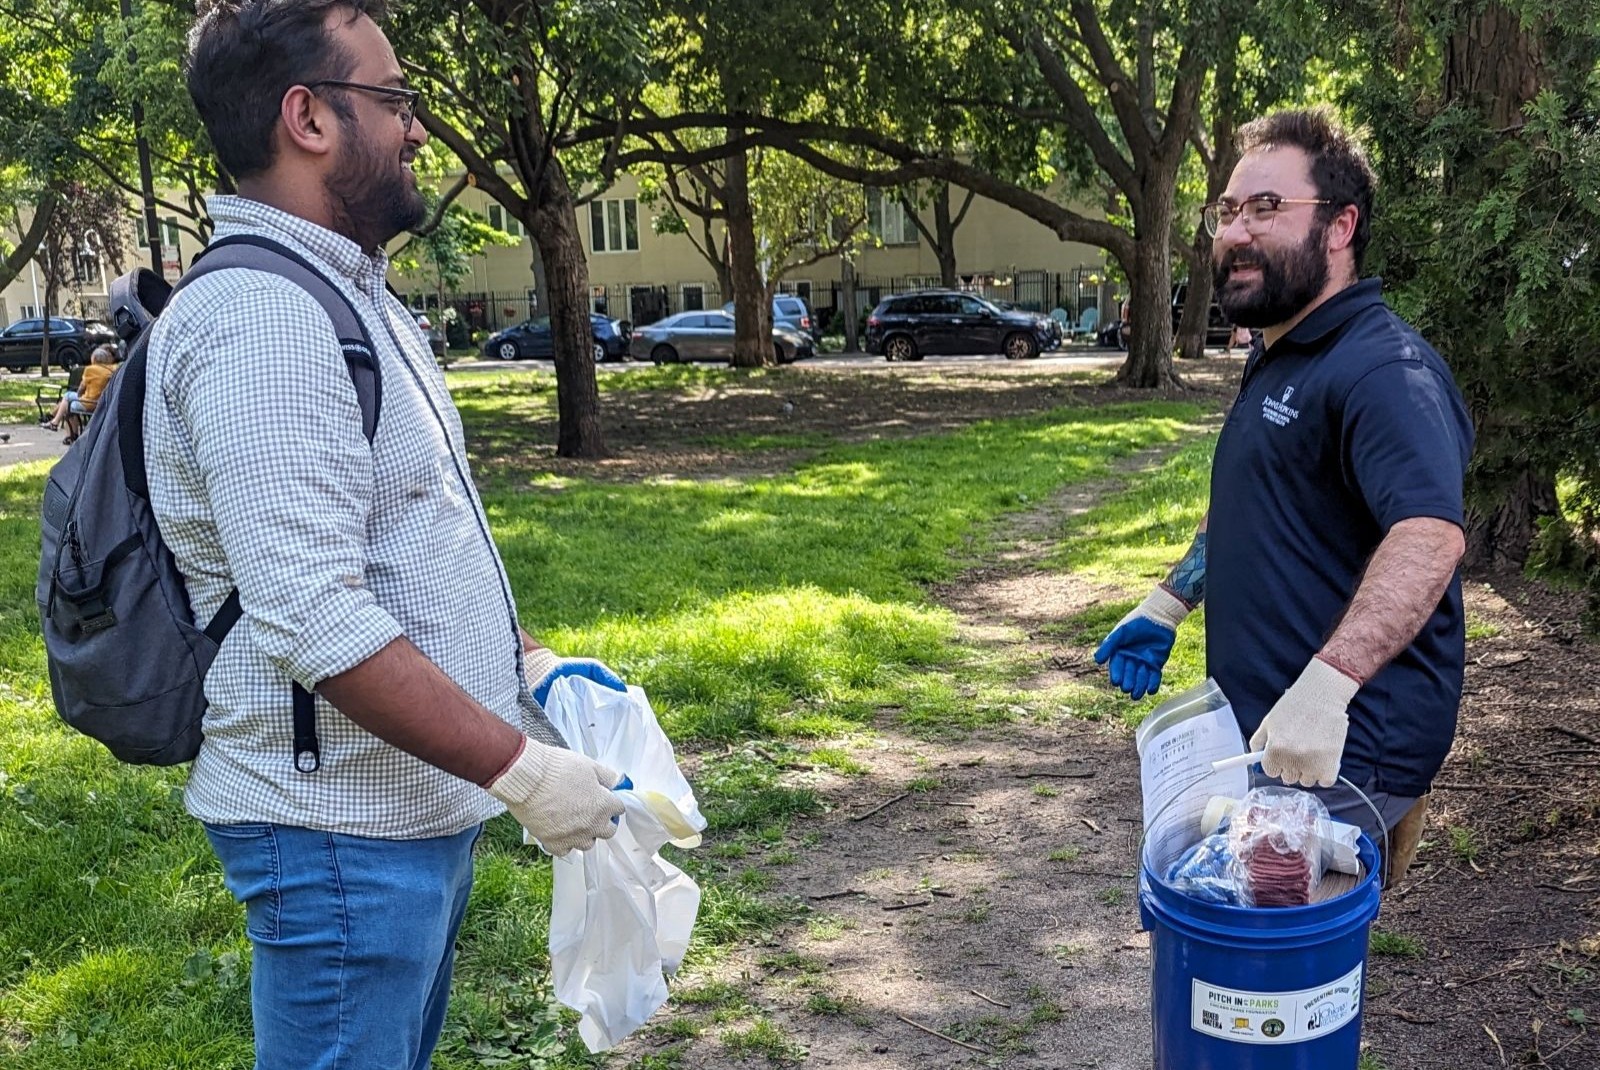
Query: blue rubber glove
{"points": [[543, 668], [1138, 647]]}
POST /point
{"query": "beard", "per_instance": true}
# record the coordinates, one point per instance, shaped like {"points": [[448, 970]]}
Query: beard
{"points": [[372, 196], [1290, 280]]}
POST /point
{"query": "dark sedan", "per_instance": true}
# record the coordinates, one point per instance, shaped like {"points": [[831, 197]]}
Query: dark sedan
{"points": [[71, 341], [532, 338], [908, 326]]}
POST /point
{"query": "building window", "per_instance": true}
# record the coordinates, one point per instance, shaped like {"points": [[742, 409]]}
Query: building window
{"points": [[30, 312], [504, 221], [88, 265], [888, 220], [597, 298], [614, 225], [139, 232], [801, 288], [170, 225], [694, 297]]}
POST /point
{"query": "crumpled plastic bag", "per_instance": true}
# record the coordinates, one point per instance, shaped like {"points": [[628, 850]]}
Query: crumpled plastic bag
{"points": [[1276, 848], [620, 915]]}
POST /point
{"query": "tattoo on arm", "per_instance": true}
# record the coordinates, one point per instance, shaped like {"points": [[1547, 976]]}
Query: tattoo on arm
{"points": [[1187, 579], [1398, 592]]}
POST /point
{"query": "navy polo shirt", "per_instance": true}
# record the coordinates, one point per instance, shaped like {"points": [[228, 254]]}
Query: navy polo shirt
{"points": [[1349, 424]]}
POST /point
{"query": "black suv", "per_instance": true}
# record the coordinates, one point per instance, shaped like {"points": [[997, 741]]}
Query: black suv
{"points": [[71, 342], [909, 326], [1217, 326]]}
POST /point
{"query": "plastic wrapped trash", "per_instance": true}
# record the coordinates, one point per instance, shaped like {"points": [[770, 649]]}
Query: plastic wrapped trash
{"points": [[1206, 872], [620, 915], [1277, 851], [1339, 851]]}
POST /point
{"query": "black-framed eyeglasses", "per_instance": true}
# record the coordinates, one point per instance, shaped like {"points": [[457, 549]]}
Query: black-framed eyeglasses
{"points": [[1259, 212], [410, 97]]}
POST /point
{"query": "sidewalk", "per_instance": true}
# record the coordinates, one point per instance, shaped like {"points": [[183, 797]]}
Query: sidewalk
{"points": [[29, 442]]}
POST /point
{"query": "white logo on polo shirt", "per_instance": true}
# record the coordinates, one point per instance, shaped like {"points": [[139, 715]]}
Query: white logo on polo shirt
{"points": [[1279, 412]]}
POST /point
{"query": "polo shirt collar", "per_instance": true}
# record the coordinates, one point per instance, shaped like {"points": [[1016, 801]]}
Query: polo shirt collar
{"points": [[1335, 312]]}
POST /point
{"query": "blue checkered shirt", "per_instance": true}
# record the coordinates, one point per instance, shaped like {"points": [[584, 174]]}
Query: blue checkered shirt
{"points": [[261, 479]]}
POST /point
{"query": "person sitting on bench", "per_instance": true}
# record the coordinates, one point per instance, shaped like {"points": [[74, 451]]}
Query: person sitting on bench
{"points": [[78, 403]]}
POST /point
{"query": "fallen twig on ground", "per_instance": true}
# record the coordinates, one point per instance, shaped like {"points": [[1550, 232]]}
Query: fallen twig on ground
{"points": [[1086, 775], [1517, 965], [881, 806], [986, 999], [941, 1036], [836, 895], [908, 906], [1496, 1040], [1574, 733]]}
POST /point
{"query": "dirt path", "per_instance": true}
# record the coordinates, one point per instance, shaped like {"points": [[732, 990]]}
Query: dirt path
{"points": [[984, 889]]}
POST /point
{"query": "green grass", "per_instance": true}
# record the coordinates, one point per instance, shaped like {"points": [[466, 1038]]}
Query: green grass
{"points": [[1398, 945], [17, 390], [790, 609]]}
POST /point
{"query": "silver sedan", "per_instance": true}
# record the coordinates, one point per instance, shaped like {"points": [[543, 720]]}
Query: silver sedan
{"points": [[707, 335]]}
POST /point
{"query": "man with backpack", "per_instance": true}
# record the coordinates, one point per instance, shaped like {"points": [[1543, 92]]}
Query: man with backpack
{"points": [[344, 518]]}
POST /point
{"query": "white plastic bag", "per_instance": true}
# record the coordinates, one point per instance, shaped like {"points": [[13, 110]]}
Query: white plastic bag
{"points": [[620, 916]]}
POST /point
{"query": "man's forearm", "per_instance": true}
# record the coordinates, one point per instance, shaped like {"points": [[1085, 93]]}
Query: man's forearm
{"points": [[1398, 592], [1187, 579], [404, 699]]}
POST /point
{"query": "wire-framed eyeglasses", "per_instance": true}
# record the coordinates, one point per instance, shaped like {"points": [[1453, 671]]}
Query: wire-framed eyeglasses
{"points": [[408, 97], [1259, 212]]}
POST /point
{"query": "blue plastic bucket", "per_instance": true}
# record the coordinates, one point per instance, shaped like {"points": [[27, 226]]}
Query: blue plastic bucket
{"points": [[1245, 988]]}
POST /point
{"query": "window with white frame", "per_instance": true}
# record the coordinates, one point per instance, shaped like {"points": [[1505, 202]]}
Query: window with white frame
{"points": [[888, 220], [694, 297], [170, 225], [504, 221], [614, 225]]}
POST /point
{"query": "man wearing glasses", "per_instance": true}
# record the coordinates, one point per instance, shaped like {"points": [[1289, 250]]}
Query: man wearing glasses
{"points": [[365, 570], [1327, 559]]}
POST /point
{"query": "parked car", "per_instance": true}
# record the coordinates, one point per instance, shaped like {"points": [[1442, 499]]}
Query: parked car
{"points": [[71, 341], [434, 332], [909, 326], [532, 338], [790, 311], [1052, 328], [709, 336]]}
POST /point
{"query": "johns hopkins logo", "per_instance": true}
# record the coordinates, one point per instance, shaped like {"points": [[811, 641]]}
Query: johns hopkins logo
{"points": [[1279, 412]]}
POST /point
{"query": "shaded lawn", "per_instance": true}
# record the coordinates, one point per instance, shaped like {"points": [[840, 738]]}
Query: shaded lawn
{"points": [[788, 609]]}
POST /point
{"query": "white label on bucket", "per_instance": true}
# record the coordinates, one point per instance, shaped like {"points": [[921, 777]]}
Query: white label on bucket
{"points": [[1275, 1017]]}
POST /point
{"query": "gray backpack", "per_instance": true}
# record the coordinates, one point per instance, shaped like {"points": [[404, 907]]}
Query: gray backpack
{"points": [[127, 660]]}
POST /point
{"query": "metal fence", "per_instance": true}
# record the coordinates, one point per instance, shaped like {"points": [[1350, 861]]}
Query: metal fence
{"points": [[640, 303]]}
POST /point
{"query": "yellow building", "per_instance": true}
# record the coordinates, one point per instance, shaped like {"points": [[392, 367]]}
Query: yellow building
{"points": [[640, 275]]}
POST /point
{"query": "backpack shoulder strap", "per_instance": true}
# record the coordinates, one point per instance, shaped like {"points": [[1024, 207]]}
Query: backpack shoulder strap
{"points": [[263, 254]]}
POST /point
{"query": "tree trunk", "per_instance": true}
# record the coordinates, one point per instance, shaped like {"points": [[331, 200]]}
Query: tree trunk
{"points": [[1501, 537], [18, 258], [1495, 65], [50, 288], [1149, 362], [752, 312], [554, 226], [944, 246], [1196, 302], [852, 328]]}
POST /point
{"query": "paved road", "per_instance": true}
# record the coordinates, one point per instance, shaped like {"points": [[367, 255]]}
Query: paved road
{"points": [[1060, 360]]}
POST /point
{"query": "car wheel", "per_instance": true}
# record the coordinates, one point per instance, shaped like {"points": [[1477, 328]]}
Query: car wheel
{"points": [[599, 353], [1123, 334], [782, 356], [67, 359], [664, 354], [900, 347], [507, 350], [1020, 346]]}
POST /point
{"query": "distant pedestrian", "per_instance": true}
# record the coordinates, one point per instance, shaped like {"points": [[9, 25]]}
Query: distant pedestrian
{"points": [[77, 404]]}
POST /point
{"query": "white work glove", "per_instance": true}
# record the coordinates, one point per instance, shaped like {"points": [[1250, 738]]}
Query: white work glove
{"points": [[563, 798], [1304, 731]]}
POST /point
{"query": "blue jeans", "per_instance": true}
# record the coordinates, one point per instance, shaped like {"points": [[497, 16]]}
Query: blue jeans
{"points": [[354, 940]]}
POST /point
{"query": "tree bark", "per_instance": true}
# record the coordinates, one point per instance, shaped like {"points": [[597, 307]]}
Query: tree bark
{"points": [[1496, 65], [1197, 302], [752, 312], [18, 259], [553, 222], [852, 328], [944, 246], [1149, 361]]}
